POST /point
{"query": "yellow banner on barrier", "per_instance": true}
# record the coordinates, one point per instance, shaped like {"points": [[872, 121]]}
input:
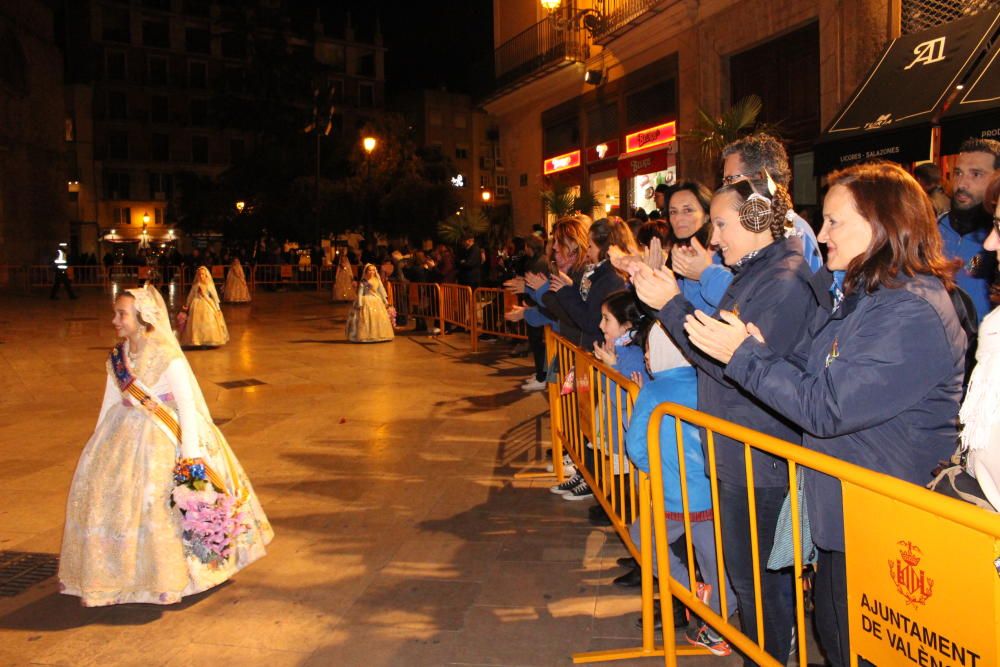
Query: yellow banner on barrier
{"points": [[918, 585]]}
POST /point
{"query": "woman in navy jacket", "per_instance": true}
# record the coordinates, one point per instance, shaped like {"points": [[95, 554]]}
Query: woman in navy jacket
{"points": [[877, 380], [770, 285]]}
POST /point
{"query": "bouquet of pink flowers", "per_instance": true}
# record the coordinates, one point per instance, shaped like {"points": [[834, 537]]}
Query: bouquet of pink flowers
{"points": [[392, 315], [210, 518]]}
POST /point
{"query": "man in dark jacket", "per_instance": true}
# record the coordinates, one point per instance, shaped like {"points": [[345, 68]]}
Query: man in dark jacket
{"points": [[470, 263]]}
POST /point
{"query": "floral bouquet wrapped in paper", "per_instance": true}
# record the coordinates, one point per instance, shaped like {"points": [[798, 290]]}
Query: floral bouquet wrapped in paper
{"points": [[210, 518]]}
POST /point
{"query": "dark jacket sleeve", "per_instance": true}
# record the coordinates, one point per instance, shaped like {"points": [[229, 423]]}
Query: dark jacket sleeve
{"points": [[587, 314], [782, 310], [897, 356]]}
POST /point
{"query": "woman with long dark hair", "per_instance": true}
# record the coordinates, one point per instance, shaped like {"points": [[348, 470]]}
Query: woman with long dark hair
{"points": [[877, 380]]}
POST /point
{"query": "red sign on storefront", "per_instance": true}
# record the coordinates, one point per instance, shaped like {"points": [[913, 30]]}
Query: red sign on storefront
{"points": [[561, 162], [647, 163], [651, 137], [603, 151]]}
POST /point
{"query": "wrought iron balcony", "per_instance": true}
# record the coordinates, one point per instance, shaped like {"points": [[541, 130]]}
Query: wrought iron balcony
{"points": [[536, 52], [618, 16]]}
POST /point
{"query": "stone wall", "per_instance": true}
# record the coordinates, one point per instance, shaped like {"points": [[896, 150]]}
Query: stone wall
{"points": [[32, 145]]}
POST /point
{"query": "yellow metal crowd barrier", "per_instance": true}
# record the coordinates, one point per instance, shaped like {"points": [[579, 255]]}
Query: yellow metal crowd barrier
{"points": [[923, 569], [422, 301], [456, 307], [492, 304]]}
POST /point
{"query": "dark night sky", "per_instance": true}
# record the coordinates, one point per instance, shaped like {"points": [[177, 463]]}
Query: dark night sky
{"points": [[431, 44]]}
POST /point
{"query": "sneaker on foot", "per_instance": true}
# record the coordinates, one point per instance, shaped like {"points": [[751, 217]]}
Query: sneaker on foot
{"points": [[703, 635], [579, 492], [534, 385], [568, 485]]}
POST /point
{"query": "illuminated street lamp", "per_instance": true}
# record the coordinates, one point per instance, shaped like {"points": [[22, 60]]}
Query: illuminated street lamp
{"points": [[369, 144], [145, 220], [551, 5], [487, 196], [240, 205]]}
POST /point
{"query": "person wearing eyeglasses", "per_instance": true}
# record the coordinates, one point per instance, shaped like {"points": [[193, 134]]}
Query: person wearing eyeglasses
{"points": [[876, 380], [770, 285], [742, 159]]}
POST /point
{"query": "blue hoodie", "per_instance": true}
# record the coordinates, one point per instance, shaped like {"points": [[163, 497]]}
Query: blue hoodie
{"points": [[630, 358], [677, 385]]}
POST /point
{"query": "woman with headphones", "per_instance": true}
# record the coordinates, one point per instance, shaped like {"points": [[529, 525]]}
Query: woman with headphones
{"points": [[770, 287]]}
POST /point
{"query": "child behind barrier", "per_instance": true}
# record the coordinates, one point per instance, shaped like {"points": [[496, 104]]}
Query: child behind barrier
{"points": [[623, 325], [675, 381]]}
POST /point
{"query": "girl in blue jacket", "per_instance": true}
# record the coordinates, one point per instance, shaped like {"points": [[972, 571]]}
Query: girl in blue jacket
{"points": [[675, 381]]}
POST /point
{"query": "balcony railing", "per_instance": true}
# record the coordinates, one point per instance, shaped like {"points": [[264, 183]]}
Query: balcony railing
{"points": [[537, 51], [620, 15]]}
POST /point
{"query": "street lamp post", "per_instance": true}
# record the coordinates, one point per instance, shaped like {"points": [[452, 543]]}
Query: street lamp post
{"points": [[368, 143]]}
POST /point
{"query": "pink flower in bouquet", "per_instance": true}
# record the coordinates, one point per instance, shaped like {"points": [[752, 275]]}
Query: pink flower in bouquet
{"points": [[211, 523]]}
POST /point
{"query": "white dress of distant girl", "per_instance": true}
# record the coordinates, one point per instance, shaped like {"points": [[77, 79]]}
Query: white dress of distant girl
{"points": [[203, 325], [369, 320], [343, 284], [123, 540], [235, 290]]}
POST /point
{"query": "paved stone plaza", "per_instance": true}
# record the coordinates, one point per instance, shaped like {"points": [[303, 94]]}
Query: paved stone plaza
{"points": [[387, 471]]}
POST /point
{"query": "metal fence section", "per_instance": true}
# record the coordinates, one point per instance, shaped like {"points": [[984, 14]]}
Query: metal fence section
{"points": [[619, 16], [884, 519], [457, 308], [590, 406], [917, 15], [492, 304], [538, 50]]}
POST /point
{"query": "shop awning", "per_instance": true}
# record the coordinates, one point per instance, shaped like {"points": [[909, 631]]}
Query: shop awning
{"points": [[891, 113], [976, 110]]}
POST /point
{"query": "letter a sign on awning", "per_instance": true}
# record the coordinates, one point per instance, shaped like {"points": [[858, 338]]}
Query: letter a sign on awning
{"points": [[891, 113]]}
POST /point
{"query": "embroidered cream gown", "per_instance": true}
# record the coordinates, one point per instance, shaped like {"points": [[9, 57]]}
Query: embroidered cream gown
{"points": [[235, 290], [205, 324], [343, 285], [122, 541], [369, 321]]}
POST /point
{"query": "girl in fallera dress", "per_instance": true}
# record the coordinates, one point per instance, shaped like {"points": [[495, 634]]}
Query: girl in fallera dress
{"points": [[201, 323], [126, 539], [343, 285], [235, 289], [369, 321]]}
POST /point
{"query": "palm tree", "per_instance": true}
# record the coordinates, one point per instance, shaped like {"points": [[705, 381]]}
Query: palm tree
{"points": [[458, 226], [713, 134], [560, 200]]}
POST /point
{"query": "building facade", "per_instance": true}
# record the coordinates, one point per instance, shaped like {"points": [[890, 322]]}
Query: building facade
{"points": [[468, 137], [650, 68], [155, 90], [32, 162]]}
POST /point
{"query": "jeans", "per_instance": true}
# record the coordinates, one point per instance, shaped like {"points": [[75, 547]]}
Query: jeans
{"points": [[703, 541], [777, 588], [536, 340], [830, 596]]}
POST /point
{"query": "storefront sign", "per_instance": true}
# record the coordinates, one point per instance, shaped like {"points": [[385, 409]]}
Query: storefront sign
{"points": [[922, 590], [561, 162], [651, 137], [603, 151], [630, 167]]}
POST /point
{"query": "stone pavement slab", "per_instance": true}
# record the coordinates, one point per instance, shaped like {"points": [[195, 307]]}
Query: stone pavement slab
{"points": [[402, 537]]}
